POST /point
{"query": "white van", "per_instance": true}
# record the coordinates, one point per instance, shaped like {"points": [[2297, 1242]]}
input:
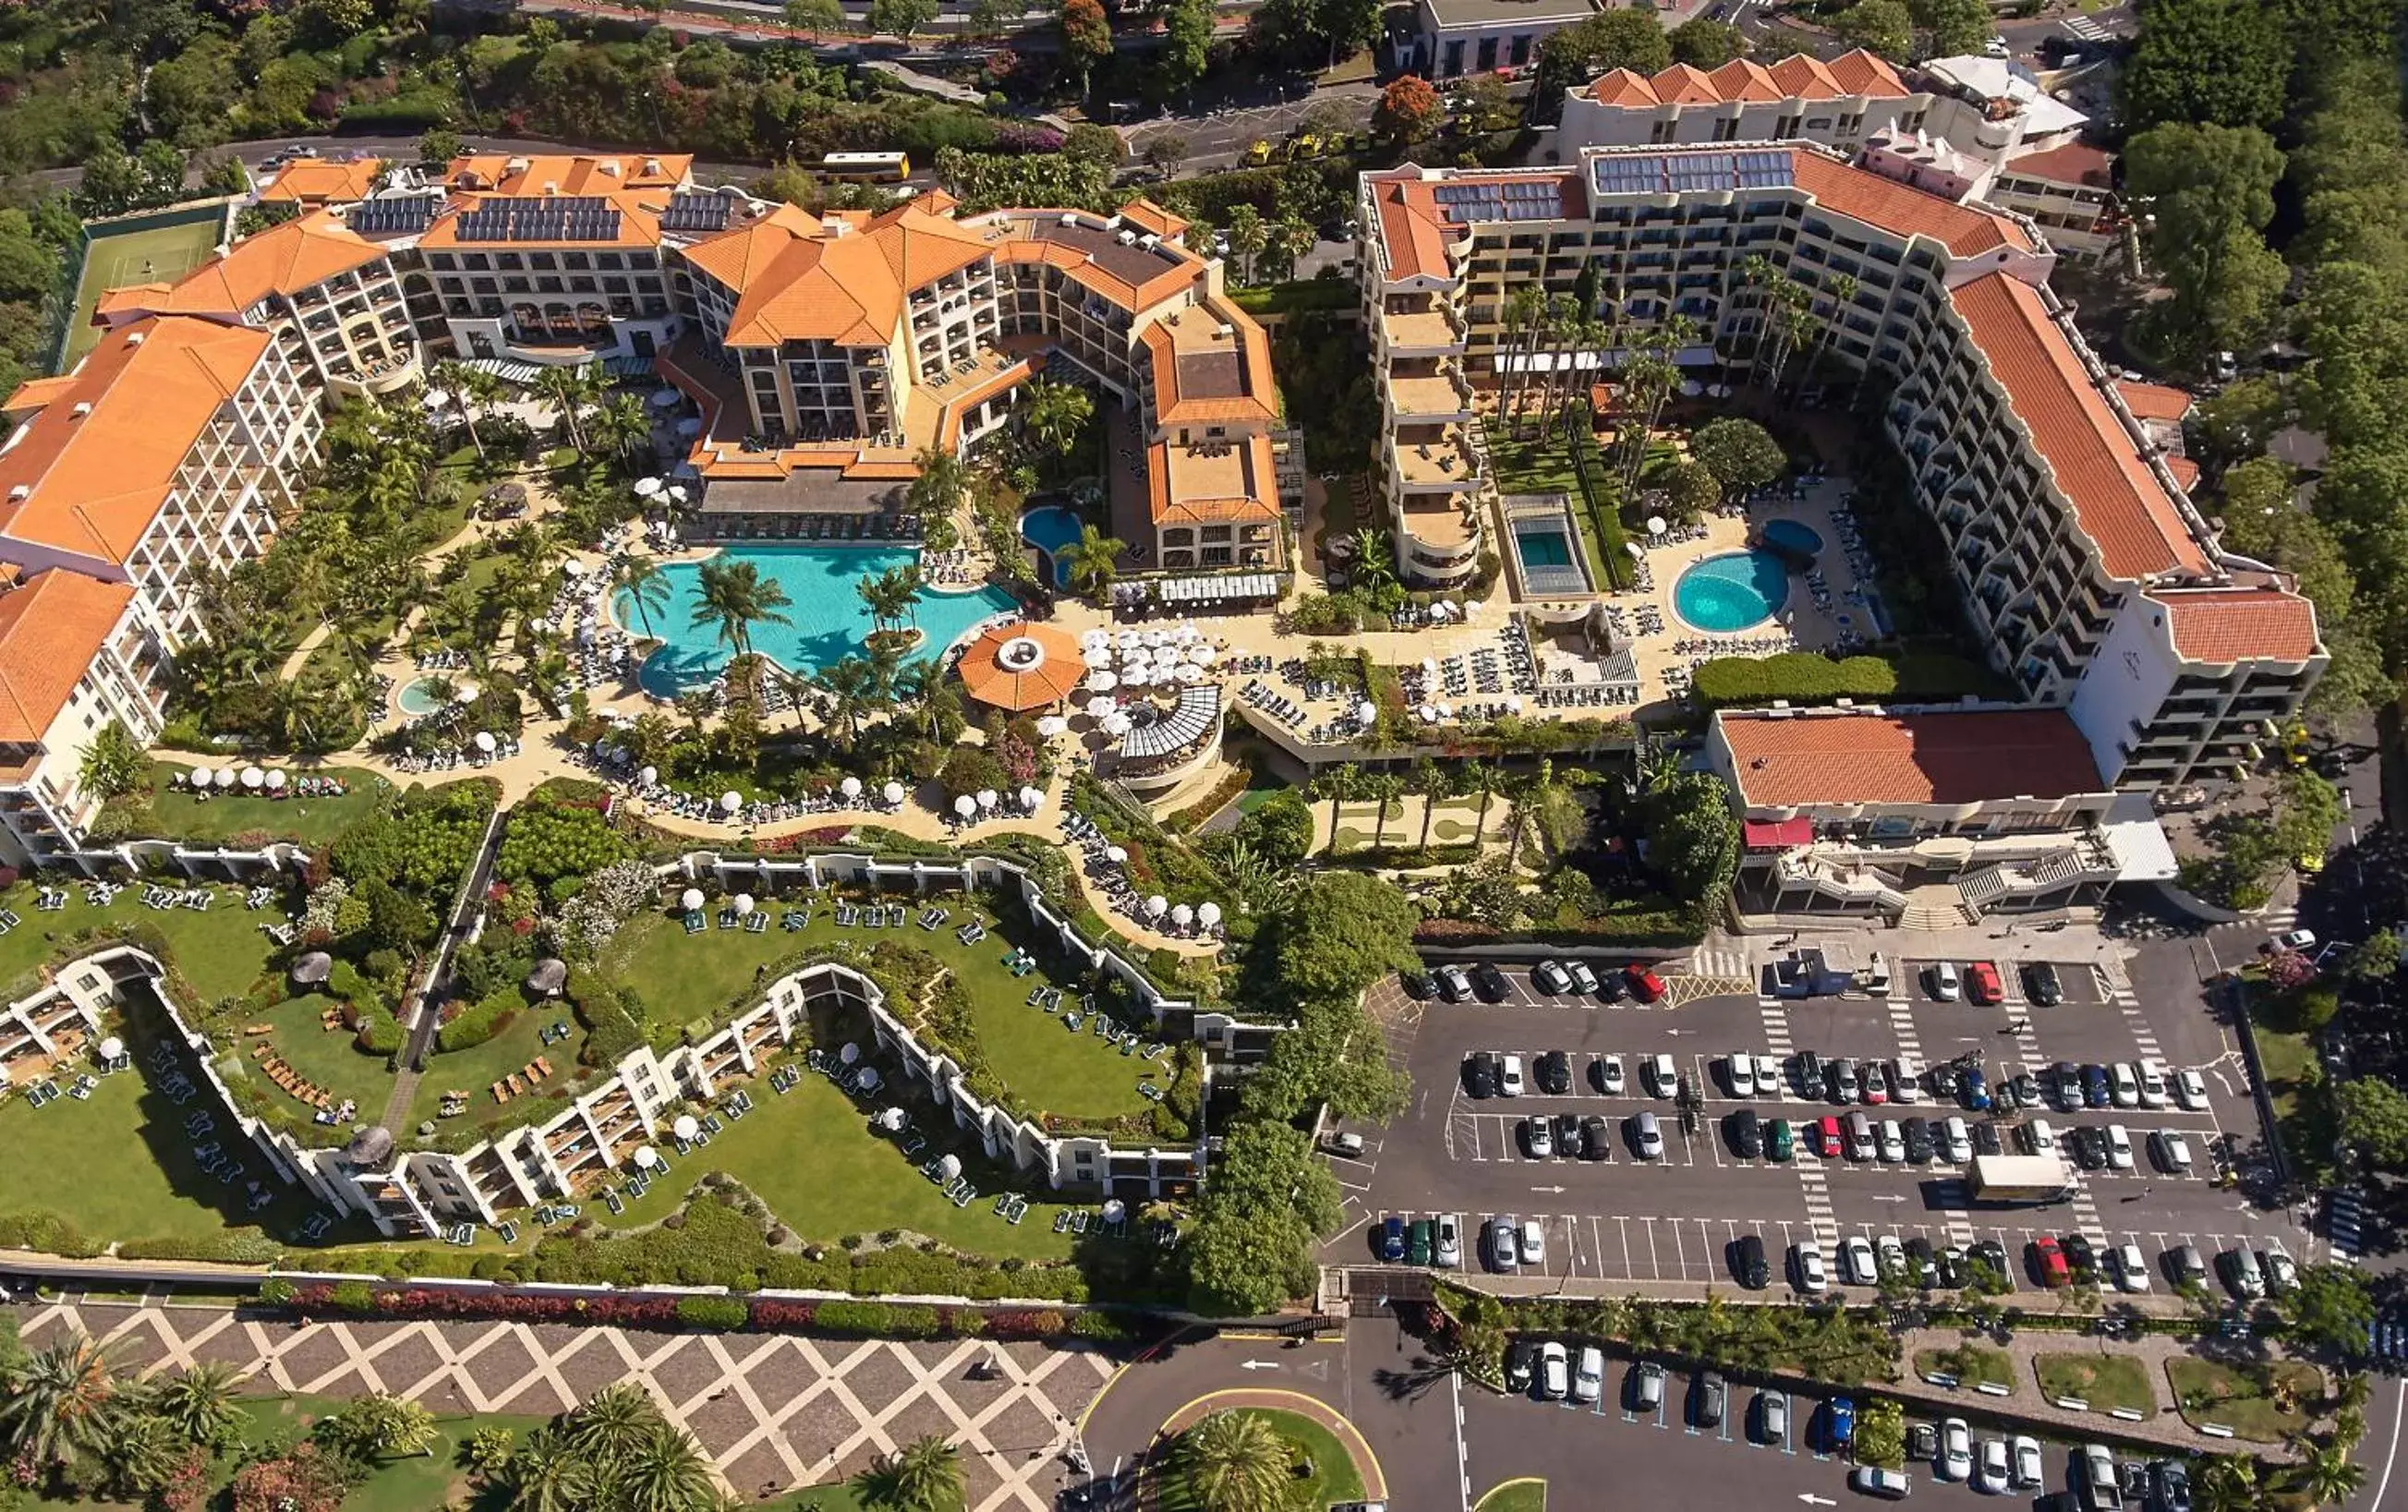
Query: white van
{"points": [[1907, 1086]]}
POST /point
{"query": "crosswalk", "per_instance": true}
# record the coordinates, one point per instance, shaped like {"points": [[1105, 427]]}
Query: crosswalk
{"points": [[1815, 1189], [2085, 28], [2118, 989], [2341, 1225]]}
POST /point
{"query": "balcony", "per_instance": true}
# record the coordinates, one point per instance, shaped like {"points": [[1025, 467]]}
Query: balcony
{"points": [[380, 377], [1420, 334], [1441, 465], [1431, 397]]}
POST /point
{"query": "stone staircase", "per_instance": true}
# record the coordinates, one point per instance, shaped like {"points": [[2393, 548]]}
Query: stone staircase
{"points": [[1934, 908]]}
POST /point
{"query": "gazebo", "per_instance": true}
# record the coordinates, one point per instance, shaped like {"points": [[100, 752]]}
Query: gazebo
{"points": [[1021, 668]]}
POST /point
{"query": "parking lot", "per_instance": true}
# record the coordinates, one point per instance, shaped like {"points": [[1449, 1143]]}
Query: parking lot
{"points": [[1621, 1217]]}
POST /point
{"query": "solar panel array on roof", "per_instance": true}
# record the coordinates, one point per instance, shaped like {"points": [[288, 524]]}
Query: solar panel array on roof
{"points": [[1629, 176], [1702, 170], [570, 218], [697, 212], [1764, 170], [399, 214], [1530, 199]]}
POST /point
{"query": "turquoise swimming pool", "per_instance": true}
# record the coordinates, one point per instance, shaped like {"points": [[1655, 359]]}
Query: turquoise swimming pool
{"points": [[1734, 590], [424, 696], [1794, 535], [830, 621], [1049, 529]]}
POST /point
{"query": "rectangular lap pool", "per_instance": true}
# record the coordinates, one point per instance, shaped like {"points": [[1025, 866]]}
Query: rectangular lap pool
{"points": [[1550, 558]]}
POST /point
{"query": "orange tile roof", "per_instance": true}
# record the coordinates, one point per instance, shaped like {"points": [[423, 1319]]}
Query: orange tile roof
{"points": [[1183, 397], [1980, 755], [1147, 216], [282, 259], [2185, 470], [50, 629], [1795, 77], [2154, 401], [95, 481], [568, 173], [799, 278], [2076, 163], [1867, 196], [1022, 666], [1221, 509], [323, 181], [1414, 226], [2119, 504], [2225, 625], [640, 218]]}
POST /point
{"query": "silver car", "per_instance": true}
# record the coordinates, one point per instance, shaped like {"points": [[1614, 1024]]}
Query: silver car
{"points": [[1773, 1416], [1648, 1136], [1956, 1461]]}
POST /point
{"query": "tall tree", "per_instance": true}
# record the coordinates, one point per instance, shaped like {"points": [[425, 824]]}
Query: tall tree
{"points": [[923, 1476], [1233, 1461], [640, 587], [1409, 110], [734, 597], [2222, 62], [63, 1405], [113, 764], [1086, 37], [2209, 190], [1093, 562]]}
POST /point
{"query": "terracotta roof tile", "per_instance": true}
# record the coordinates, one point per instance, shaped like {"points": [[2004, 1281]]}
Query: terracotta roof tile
{"points": [[564, 173], [1022, 666], [2076, 163], [2154, 401], [1798, 76], [1414, 226], [1979, 755], [1883, 201], [323, 181], [50, 629], [2119, 504], [1867, 72], [1740, 80], [282, 259], [1680, 84], [1622, 87], [2225, 625]]}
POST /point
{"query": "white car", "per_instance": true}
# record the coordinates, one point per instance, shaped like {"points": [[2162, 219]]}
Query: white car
{"points": [[1857, 1264], [1584, 979], [1991, 1472], [1554, 1371], [2097, 1471], [1768, 1077], [2040, 1136], [1893, 1255], [2131, 1270], [1997, 47], [1609, 1074], [2119, 1148], [1905, 1081], [1509, 1077], [2190, 1091], [1811, 1277], [2027, 1472], [1448, 1250], [2153, 1084], [1551, 978], [1588, 1382], [1534, 1243], [1958, 1140], [1661, 1078], [1648, 1136], [1740, 1068], [2124, 1084], [2298, 940], [1946, 985], [2171, 1152], [1890, 1141], [1956, 1461]]}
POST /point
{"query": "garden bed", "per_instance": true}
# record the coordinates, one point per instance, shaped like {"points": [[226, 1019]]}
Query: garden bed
{"points": [[1973, 1364], [2206, 1391], [2105, 1382]]}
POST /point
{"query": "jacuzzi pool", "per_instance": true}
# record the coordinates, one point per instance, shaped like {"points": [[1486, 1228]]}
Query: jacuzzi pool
{"points": [[1049, 529], [1794, 535]]}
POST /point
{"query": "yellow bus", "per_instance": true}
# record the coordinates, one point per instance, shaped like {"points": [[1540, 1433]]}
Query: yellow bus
{"points": [[866, 167]]}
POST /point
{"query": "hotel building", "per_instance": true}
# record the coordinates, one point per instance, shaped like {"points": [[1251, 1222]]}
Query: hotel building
{"points": [[2079, 558]]}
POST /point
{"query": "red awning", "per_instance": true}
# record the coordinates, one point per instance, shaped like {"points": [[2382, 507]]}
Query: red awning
{"points": [[1765, 836]]}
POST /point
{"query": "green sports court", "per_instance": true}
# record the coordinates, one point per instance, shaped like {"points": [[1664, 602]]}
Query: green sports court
{"points": [[154, 247]]}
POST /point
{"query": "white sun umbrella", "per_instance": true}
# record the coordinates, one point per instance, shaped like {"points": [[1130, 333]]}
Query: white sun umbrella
{"points": [[1208, 914], [850, 1053], [851, 788], [647, 487], [1166, 655], [684, 1126], [743, 903], [950, 1167], [276, 780], [1099, 708], [1131, 640], [485, 741], [228, 777], [1101, 682], [965, 806], [894, 793], [646, 1157], [1656, 525], [893, 1120], [253, 776], [1052, 726], [1136, 675], [1157, 906], [677, 493], [988, 798], [1096, 657], [1183, 915], [437, 399], [1094, 636], [1366, 711], [1187, 672], [111, 1047], [692, 898], [1157, 637], [649, 775], [1115, 855], [1116, 725], [1030, 798], [731, 801], [1430, 663], [1203, 654], [573, 567]]}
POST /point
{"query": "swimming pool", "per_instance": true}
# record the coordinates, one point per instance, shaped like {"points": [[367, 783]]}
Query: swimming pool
{"points": [[424, 697], [1049, 529], [830, 621], [1543, 546], [1795, 536], [1734, 590]]}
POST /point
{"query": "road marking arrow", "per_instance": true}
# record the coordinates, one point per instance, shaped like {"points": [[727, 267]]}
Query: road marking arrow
{"points": [[1552, 1191], [1257, 1364], [1813, 1500], [1888, 1197]]}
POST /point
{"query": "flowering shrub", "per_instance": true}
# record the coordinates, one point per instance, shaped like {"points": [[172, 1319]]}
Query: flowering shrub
{"points": [[318, 913], [301, 1482]]}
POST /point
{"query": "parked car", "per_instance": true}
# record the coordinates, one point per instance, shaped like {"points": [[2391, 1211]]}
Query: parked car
{"points": [[1919, 1147], [1610, 1079], [2119, 1148], [1521, 1365], [1738, 1070], [2049, 1264], [1957, 1140], [1534, 1243], [1983, 987], [1480, 1075], [1707, 1401], [2282, 1271], [1490, 982], [2171, 1150], [1844, 1085], [1509, 1076], [1392, 1239], [1807, 1269], [1645, 984], [1584, 979], [1857, 1264], [1956, 1462], [2153, 1084], [1421, 986], [2041, 984], [1882, 1485], [1453, 983], [1448, 1242], [1419, 1242], [1597, 1138], [2190, 1091], [1827, 1137], [1771, 1417], [1991, 1471], [1646, 1136], [1662, 1080], [1588, 1373], [1567, 1137], [1889, 1141], [2169, 1483], [1555, 1073], [2242, 1273], [1551, 978], [1504, 1243], [1554, 1371], [1646, 1386], [1780, 1140], [1945, 983], [2027, 1474], [1974, 1090], [1749, 1264], [2095, 1091], [2124, 1084], [1745, 1132], [1876, 1081], [1539, 1136], [2131, 1273], [2081, 1256]]}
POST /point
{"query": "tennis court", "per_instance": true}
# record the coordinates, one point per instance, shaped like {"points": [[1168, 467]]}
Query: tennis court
{"points": [[147, 249]]}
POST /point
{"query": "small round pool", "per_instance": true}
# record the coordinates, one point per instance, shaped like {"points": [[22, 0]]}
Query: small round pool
{"points": [[1735, 590], [424, 696], [1050, 528], [1794, 535]]}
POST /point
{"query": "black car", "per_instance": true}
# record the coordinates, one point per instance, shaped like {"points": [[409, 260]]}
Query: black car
{"points": [[1985, 1139], [1708, 1400], [1609, 986], [1919, 1147], [1421, 986], [2041, 986], [2089, 1146], [1949, 1263], [1922, 1263], [1521, 1362], [1746, 1134], [1596, 1137], [1749, 1264], [2079, 1255], [1489, 982], [1570, 1138], [1922, 1441], [1992, 1254], [2069, 1085], [1554, 1072], [2026, 1090], [1480, 1075], [1810, 1073]]}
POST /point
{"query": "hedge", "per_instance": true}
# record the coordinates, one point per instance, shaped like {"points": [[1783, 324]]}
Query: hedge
{"points": [[1807, 677], [877, 1319], [379, 1031], [481, 1022], [721, 1315]]}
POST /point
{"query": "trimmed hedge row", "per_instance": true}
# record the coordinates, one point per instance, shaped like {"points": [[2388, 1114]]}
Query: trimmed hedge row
{"points": [[482, 1023], [1809, 677]]}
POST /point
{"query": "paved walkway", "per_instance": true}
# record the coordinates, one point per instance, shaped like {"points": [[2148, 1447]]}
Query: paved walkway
{"points": [[1366, 1464], [773, 1411]]}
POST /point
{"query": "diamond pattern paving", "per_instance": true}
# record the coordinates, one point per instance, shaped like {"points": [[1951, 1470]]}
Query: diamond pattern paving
{"points": [[773, 1412]]}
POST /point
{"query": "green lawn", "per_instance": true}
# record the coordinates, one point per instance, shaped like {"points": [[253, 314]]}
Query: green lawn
{"points": [[836, 1498], [220, 951], [2106, 1381], [1970, 1363], [812, 1157], [682, 978], [119, 1164], [475, 1069], [415, 1483], [310, 821], [1524, 1495], [2209, 1393], [1333, 1477], [158, 254], [324, 1056]]}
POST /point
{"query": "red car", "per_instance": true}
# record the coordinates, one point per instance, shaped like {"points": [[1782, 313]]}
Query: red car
{"points": [[1645, 985], [1827, 1137], [1982, 985], [2054, 1269]]}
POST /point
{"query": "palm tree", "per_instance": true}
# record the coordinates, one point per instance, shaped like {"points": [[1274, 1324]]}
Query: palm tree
{"points": [[568, 388], [200, 1403], [937, 491], [1436, 782], [848, 688], [639, 585], [1375, 557], [1480, 777], [395, 1426], [1524, 308], [733, 598], [2228, 1484], [620, 426], [663, 1472], [1091, 561], [451, 377], [550, 1473], [1056, 413], [1338, 785], [63, 1403], [1385, 788], [2328, 1475], [923, 1476], [613, 1421], [891, 596], [1233, 1461]]}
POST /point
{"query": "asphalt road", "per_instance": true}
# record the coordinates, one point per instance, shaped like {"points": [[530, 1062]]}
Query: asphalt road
{"points": [[1624, 1218]]}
